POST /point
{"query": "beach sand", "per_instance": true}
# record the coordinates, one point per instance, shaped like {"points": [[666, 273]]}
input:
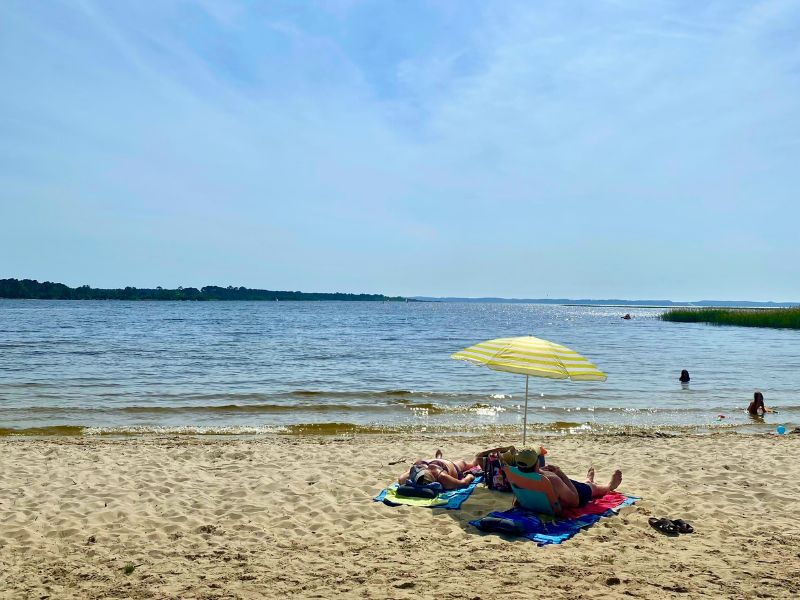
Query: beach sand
{"points": [[281, 516]]}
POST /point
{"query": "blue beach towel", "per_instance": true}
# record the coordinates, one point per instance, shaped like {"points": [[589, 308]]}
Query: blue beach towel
{"points": [[544, 529], [451, 500]]}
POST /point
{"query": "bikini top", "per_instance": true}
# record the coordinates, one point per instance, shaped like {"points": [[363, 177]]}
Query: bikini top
{"points": [[444, 465]]}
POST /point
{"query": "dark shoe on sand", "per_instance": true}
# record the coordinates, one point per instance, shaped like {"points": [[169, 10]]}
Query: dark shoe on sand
{"points": [[500, 525], [682, 526], [663, 525]]}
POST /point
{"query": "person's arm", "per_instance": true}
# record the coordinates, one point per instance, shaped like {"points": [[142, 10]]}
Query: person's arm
{"points": [[403, 478], [451, 483], [498, 450], [478, 460]]}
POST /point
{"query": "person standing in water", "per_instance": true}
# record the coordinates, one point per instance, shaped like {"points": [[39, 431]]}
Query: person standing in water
{"points": [[757, 405], [684, 378]]}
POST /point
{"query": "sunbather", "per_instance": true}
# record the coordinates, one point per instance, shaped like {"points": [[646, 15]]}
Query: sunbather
{"points": [[570, 493], [452, 474]]}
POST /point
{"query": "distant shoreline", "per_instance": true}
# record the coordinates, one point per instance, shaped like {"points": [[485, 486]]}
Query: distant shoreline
{"points": [[31, 289], [612, 302]]}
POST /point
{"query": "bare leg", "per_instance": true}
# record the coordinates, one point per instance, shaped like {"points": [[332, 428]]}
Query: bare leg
{"points": [[602, 490], [590, 475]]}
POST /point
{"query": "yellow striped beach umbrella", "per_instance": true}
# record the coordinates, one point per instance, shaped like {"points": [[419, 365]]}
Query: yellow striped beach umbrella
{"points": [[532, 357]]}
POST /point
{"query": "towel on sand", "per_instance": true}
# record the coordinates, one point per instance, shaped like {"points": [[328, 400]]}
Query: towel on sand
{"points": [[451, 500], [544, 529]]}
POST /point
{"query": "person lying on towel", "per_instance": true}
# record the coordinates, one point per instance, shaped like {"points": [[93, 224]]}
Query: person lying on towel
{"points": [[569, 493], [452, 474]]}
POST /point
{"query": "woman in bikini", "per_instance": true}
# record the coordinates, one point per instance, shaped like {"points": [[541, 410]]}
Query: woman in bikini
{"points": [[452, 474]]}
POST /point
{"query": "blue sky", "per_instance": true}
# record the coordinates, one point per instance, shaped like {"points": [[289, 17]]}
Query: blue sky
{"points": [[595, 148]]}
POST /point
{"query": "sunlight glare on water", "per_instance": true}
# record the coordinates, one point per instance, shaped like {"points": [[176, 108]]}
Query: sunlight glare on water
{"points": [[266, 366]]}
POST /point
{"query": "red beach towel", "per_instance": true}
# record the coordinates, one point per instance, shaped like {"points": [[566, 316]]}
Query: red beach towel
{"points": [[595, 506]]}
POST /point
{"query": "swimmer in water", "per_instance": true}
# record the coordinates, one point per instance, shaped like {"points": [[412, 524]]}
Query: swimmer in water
{"points": [[757, 407]]}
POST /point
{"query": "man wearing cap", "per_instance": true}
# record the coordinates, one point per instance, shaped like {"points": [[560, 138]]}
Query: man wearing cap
{"points": [[570, 493]]}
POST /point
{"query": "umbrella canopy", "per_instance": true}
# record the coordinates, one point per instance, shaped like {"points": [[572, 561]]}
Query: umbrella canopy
{"points": [[531, 356]]}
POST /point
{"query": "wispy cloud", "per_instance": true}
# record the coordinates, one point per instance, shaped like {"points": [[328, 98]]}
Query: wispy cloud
{"points": [[489, 149]]}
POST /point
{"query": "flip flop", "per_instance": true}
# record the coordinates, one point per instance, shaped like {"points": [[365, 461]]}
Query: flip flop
{"points": [[682, 526], [663, 525], [500, 525]]}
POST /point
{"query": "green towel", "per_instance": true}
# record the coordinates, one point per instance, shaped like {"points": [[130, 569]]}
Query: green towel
{"points": [[393, 497], [450, 499]]}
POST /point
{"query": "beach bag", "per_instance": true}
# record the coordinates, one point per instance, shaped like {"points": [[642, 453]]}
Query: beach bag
{"points": [[494, 477]]}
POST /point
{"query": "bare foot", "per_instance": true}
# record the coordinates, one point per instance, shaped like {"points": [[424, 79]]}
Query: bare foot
{"points": [[590, 475], [439, 453], [616, 479]]}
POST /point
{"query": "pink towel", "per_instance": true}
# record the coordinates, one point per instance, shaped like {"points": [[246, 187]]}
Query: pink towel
{"points": [[595, 506]]}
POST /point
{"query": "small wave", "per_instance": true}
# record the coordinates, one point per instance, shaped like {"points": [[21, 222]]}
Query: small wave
{"points": [[220, 409], [427, 408], [348, 393], [297, 429], [486, 411], [181, 430], [399, 396], [560, 425]]}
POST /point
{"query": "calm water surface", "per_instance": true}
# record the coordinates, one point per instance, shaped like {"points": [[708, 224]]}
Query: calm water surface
{"points": [[305, 366]]}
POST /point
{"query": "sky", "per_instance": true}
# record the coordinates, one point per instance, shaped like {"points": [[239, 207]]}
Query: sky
{"points": [[583, 149]]}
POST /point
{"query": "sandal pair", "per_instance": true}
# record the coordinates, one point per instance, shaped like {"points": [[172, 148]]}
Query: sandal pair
{"points": [[671, 528]]}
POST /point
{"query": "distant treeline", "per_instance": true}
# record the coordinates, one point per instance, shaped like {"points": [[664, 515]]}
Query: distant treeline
{"points": [[32, 289], [778, 318]]}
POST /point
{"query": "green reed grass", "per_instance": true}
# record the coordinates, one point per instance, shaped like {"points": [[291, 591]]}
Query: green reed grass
{"points": [[778, 318]]}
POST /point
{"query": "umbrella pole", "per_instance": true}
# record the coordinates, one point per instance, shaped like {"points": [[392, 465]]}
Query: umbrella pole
{"points": [[525, 415]]}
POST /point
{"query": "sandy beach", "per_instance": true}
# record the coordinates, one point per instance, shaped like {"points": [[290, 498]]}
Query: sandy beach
{"points": [[292, 516]]}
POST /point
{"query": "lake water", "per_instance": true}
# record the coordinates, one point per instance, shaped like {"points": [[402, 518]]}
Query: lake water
{"points": [[249, 367]]}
